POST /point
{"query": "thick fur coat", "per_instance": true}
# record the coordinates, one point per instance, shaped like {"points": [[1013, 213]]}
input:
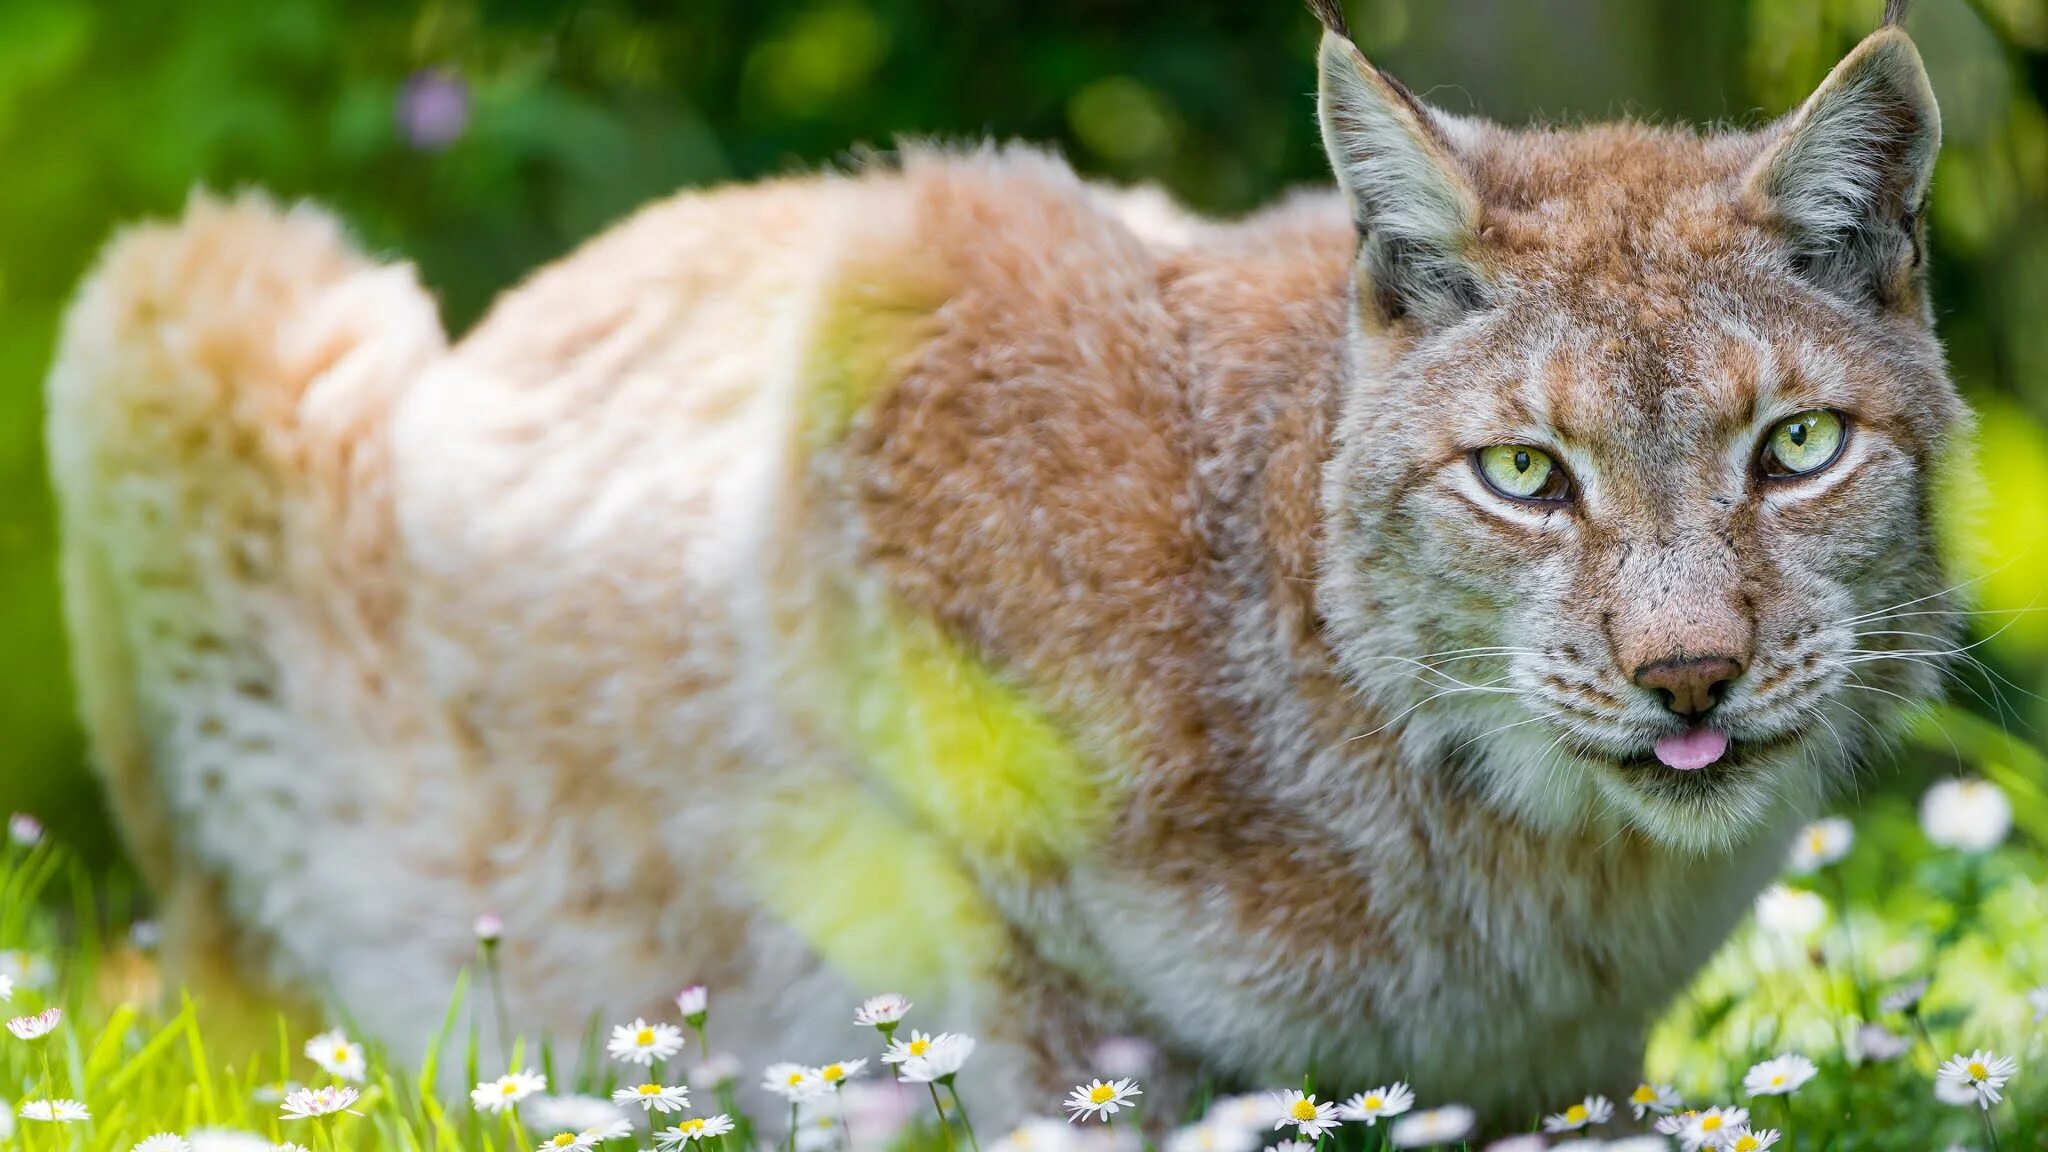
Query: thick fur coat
{"points": [[961, 580]]}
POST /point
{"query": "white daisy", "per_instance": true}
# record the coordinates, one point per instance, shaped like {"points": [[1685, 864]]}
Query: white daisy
{"points": [[695, 1128], [654, 1098], [163, 1142], [506, 1091], [1582, 1144], [338, 1056], [1254, 1110], [1957, 1095], [1639, 1144], [1102, 1099], [37, 1026], [900, 1050], [1444, 1125], [28, 969], [1875, 1044], [1905, 998], [1291, 1146], [643, 1043], [586, 1139], [1967, 815], [1212, 1136], [1790, 912], [941, 1061], [1586, 1113], [310, 1102], [792, 1082], [884, 1011], [54, 1111], [694, 1003], [1648, 1098], [1779, 1076], [1749, 1140], [1821, 843], [1984, 1073], [6, 1121], [1712, 1128], [1526, 1142], [24, 829], [833, 1075], [1309, 1118], [1392, 1100], [489, 929], [1041, 1134]]}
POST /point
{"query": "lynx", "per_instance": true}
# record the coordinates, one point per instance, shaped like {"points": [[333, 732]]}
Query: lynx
{"points": [[1395, 633]]}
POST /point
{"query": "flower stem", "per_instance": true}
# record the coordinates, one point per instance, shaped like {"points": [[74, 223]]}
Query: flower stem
{"points": [[792, 1126], [943, 1125], [959, 1107], [490, 951], [1990, 1129]]}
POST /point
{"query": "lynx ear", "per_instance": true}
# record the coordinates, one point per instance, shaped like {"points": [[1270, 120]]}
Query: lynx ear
{"points": [[1847, 173], [1414, 206]]}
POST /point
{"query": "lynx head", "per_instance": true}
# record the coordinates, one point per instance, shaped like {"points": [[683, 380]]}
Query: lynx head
{"points": [[1628, 515]]}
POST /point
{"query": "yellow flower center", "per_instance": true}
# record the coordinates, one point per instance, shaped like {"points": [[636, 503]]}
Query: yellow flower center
{"points": [[834, 1072], [692, 1126], [1101, 1094], [918, 1047], [795, 1078], [649, 1089], [1978, 1071], [1576, 1114], [1644, 1094], [509, 1088], [1815, 842], [1710, 1124], [644, 1037], [563, 1140], [1374, 1101], [1778, 1080], [1747, 1143], [1303, 1109], [341, 1054]]}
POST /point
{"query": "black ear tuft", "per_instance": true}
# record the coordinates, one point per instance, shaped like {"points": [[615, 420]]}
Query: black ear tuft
{"points": [[1331, 13]]}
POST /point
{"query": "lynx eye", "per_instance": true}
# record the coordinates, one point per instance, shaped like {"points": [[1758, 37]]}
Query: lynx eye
{"points": [[1802, 444], [1520, 472]]}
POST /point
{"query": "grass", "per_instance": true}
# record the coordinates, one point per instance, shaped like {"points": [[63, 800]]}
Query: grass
{"points": [[1898, 909]]}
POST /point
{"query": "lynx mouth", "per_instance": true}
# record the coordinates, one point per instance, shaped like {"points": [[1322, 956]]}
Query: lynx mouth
{"points": [[1736, 759]]}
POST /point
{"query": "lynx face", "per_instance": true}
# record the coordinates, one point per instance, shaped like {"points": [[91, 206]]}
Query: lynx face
{"points": [[1631, 496]]}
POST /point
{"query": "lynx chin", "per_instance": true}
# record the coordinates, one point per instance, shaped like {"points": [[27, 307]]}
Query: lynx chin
{"points": [[1404, 626]]}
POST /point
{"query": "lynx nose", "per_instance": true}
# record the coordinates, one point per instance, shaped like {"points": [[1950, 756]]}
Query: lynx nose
{"points": [[1690, 687]]}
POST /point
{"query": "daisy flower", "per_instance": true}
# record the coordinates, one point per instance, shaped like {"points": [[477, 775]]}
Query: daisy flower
{"points": [[1790, 912], [1779, 1076], [942, 1060], [1590, 1111], [882, 1012], [1905, 998], [337, 1056], [643, 1043], [1820, 844], [1875, 1044], [587, 1138], [1712, 1128], [1392, 1100], [654, 1098], [1638, 1144], [56, 1111], [1309, 1118], [1967, 815], [1291, 1146], [163, 1142], [1652, 1098], [1748, 1140], [792, 1082], [694, 1003], [1254, 1110], [1100, 1099], [695, 1128], [833, 1075], [900, 1050], [1444, 1125], [1983, 1073], [1526, 1142], [489, 929], [310, 1102], [506, 1091], [37, 1026]]}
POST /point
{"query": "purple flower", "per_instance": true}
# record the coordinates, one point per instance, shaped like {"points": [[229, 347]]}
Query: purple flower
{"points": [[433, 109]]}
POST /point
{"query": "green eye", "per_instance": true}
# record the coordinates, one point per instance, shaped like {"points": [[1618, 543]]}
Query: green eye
{"points": [[1520, 472], [1801, 444]]}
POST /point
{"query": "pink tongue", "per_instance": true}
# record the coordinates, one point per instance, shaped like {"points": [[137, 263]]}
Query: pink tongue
{"points": [[1695, 749]]}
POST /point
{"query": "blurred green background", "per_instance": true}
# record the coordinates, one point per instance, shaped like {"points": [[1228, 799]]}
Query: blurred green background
{"points": [[482, 138]]}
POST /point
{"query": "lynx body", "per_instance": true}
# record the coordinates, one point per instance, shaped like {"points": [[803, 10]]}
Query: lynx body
{"points": [[959, 580]]}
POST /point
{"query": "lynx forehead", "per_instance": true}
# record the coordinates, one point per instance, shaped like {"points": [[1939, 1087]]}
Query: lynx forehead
{"points": [[1399, 626]]}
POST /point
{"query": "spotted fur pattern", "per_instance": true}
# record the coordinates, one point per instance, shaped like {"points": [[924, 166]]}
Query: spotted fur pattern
{"points": [[960, 579]]}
